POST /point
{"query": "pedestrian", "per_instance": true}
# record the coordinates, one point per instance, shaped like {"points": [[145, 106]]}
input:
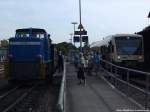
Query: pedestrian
{"points": [[80, 72], [76, 58], [86, 62], [90, 64], [97, 62], [60, 62]]}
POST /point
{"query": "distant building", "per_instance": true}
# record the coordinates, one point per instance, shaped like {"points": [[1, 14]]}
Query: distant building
{"points": [[146, 37]]}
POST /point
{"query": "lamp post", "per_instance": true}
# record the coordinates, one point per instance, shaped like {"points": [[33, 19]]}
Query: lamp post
{"points": [[80, 25], [74, 25], [71, 37]]}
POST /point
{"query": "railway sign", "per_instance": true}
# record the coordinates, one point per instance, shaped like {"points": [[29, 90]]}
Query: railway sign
{"points": [[85, 38], [76, 39], [80, 32]]}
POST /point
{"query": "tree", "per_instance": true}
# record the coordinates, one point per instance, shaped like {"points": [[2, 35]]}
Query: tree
{"points": [[65, 47], [4, 43]]}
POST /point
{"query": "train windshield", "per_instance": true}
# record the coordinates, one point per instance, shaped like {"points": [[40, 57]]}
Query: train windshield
{"points": [[129, 46], [35, 35]]}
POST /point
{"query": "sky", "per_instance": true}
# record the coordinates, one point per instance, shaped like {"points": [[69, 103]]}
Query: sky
{"points": [[99, 17]]}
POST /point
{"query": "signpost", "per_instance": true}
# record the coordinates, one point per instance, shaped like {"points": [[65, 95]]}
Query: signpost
{"points": [[85, 39], [81, 35], [76, 39], [80, 32]]}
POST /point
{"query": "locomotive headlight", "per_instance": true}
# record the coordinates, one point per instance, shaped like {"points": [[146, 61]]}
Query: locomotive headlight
{"points": [[118, 57]]}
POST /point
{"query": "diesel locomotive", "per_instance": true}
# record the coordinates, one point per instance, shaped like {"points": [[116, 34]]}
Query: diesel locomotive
{"points": [[30, 55]]}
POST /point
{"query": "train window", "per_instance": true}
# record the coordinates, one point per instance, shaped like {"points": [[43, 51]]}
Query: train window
{"points": [[21, 35], [132, 46], [38, 35], [42, 35], [109, 48], [112, 48]]}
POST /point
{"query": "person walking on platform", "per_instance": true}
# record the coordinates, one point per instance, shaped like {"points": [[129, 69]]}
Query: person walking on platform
{"points": [[80, 72], [97, 57], [60, 62], [86, 63], [76, 58], [90, 64]]}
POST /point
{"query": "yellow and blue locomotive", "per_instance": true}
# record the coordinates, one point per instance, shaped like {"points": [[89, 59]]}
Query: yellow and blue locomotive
{"points": [[30, 55]]}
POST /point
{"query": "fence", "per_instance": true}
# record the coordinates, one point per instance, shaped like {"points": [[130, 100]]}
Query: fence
{"points": [[62, 93], [121, 78]]}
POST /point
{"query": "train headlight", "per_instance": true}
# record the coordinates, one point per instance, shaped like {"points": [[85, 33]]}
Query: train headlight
{"points": [[118, 57], [140, 57]]}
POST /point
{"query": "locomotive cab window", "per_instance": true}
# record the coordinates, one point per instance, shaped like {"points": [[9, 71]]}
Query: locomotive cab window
{"points": [[22, 34], [38, 35]]}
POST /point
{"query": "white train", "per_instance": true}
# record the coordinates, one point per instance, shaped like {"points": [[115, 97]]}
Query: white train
{"points": [[124, 49]]}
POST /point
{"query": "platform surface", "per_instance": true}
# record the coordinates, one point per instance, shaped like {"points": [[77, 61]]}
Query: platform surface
{"points": [[96, 96]]}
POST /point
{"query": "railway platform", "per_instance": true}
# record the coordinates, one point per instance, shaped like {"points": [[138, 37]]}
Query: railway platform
{"points": [[97, 96]]}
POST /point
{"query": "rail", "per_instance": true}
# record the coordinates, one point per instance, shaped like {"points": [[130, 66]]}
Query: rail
{"points": [[61, 98], [140, 95]]}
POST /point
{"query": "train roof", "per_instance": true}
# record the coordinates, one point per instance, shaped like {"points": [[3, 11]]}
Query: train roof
{"points": [[107, 39], [31, 29], [122, 35]]}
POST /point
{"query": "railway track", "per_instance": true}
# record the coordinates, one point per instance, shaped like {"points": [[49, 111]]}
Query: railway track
{"points": [[8, 92], [11, 98], [27, 98]]}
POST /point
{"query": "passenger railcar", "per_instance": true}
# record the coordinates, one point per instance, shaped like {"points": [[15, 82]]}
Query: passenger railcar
{"points": [[123, 49], [30, 55]]}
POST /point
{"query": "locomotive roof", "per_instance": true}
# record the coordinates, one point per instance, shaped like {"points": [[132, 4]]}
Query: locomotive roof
{"points": [[29, 29], [107, 39]]}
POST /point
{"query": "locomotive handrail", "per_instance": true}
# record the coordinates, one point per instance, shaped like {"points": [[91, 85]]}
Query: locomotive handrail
{"points": [[61, 98], [1, 70], [1, 67]]}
